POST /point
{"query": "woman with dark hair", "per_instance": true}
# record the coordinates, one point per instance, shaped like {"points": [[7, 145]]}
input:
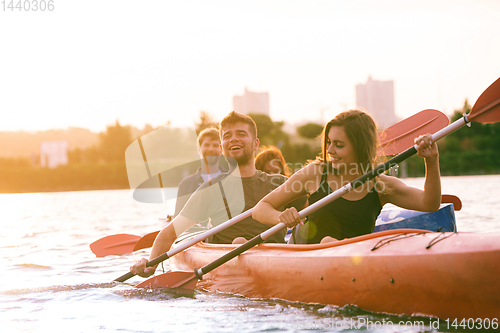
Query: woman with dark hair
{"points": [[348, 151]]}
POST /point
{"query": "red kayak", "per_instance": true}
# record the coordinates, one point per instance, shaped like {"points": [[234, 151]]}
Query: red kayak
{"points": [[414, 272]]}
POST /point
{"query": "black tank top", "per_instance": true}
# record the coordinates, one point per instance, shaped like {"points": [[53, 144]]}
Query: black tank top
{"points": [[342, 218]]}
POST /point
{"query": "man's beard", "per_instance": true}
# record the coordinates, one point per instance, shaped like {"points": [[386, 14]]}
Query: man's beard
{"points": [[211, 160], [243, 159]]}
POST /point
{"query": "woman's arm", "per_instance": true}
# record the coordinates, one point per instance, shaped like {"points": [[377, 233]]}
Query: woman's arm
{"points": [[299, 184], [402, 195]]}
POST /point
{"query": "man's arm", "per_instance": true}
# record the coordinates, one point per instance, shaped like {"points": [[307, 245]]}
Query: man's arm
{"points": [[162, 244], [198, 208]]}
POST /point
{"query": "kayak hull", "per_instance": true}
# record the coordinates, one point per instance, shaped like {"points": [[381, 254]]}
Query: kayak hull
{"points": [[446, 275]]}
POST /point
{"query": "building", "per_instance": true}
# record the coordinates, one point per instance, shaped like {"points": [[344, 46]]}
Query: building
{"points": [[53, 153], [252, 102], [377, 98]]}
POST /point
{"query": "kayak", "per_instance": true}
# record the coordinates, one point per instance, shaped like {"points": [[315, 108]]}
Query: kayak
{"points": [[404, 271]]}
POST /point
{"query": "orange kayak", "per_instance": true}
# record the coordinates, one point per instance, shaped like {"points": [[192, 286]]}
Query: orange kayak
{"points": [[405, 271]]}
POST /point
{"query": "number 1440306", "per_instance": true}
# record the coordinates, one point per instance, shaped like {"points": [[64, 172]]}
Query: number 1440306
{"points": [[27, 5], [472, 323]]}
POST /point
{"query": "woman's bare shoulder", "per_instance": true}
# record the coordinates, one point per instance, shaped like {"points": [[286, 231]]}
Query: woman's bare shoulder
{"points": [[315, 167]]}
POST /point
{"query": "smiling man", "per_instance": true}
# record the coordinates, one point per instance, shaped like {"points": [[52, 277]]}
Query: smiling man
{"points": [[226, 195]]}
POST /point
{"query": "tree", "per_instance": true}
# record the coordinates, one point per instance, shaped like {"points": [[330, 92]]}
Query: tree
{"points": [[310, 130], [297, 154], [269, 132], [471, 150], [114, 142], [206, 121]]}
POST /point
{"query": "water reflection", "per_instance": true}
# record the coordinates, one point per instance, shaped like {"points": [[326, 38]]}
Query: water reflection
{"points": [[51, 281]]}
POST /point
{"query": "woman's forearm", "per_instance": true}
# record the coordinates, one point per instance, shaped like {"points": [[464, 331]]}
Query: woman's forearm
{"points": [[432, 185], [265, 213]]}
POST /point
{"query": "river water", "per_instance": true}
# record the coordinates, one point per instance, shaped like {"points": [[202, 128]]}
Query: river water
{"points": [[50, 281]]}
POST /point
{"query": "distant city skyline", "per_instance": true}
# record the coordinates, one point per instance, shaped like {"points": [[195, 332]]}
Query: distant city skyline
{"points": [[252, 102], [377, 98], [144, 66]]}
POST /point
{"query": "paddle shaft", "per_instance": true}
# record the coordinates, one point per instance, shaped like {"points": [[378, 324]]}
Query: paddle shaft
{"points": [[329, 198], [190, 243]]}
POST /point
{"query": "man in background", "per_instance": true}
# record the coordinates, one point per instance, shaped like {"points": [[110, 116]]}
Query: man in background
{"points": [[210, 152], [209, 149]]}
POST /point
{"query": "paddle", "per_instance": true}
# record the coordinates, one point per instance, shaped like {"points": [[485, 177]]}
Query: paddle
{"points": [[485, 110], [393, 140], [449, 198]]}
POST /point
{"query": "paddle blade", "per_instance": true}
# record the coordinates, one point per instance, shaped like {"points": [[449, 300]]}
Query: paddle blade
{"points": [[400, 136], [487, 107], [174, 279], [449, 198], [146, 241], [114, 244]]}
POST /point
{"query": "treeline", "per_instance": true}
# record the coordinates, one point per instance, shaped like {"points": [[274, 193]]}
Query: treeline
{"points": [[468, 151], [100, 166], [26, 144]]}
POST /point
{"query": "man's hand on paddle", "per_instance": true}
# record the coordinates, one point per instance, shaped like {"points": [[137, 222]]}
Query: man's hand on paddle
{"points": [[139, 268]]}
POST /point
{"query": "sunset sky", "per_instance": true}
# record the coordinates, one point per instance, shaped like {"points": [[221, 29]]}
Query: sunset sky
{"points": [[88, 63]]}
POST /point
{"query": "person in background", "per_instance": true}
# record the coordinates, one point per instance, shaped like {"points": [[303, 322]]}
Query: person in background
{"points": [[210, 151], [270, 160], [349, 151]]}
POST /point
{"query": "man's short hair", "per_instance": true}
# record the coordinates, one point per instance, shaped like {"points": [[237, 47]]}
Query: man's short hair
{"points": [[210, 132], [235, 117]]}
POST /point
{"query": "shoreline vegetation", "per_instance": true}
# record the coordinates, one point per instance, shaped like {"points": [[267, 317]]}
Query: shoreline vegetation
{"points": [[101, 166]]}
